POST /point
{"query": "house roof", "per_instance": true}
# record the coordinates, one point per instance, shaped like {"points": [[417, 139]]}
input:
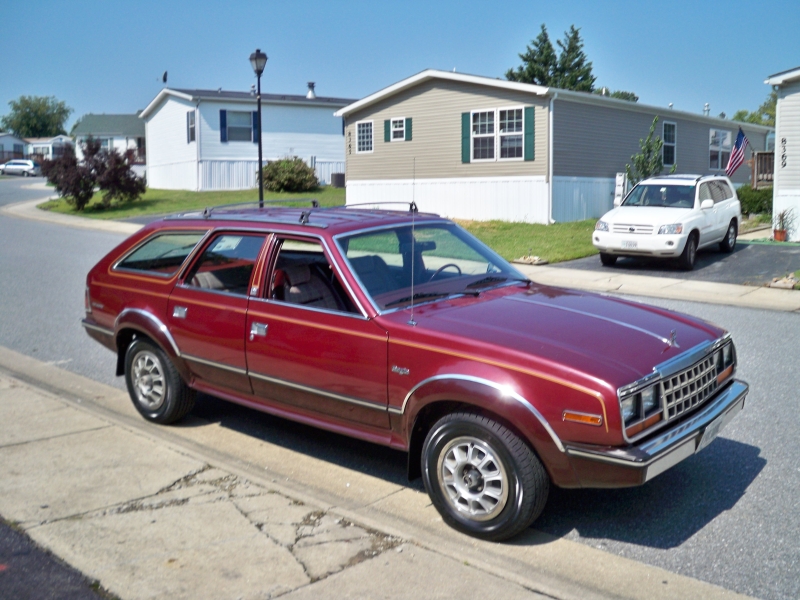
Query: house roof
{"points": [[109, 125], [245, 97], [537, 90], [49, 140], [783, 77]]}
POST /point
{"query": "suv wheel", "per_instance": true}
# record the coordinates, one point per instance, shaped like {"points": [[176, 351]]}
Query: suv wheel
{"points": [[689, 255], [154, 384], [481, 477], [608, 260], [727, 244]]}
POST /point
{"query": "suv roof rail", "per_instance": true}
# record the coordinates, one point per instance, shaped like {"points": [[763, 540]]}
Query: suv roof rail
{"points": [[210, 209]]}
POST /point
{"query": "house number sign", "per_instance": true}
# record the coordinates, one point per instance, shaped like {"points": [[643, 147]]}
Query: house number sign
{"points": [[783, 153]]}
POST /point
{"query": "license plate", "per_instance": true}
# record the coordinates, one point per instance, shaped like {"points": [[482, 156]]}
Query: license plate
{"points": [[626, 244], [711, 432]]}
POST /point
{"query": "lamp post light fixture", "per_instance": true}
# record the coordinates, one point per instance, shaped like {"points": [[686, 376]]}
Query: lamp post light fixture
{"points": [[258, 60]]}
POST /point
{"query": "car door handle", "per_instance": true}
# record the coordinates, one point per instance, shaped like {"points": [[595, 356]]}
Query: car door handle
{"points": [[179, 312], [258, 329]]}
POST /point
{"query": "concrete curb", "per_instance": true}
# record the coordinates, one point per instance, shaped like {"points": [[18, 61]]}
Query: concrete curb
{"points": [[534, 563], [28, 210]]}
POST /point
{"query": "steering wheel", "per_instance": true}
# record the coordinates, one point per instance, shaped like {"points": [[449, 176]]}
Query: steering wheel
{"points": [[442, 268]]}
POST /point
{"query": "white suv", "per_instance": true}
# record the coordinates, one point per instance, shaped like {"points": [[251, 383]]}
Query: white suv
{"points": [[28, 168], [671, 216]]}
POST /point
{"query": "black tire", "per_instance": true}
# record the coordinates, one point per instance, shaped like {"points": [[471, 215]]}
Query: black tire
{"points": [[156, 388], [689, 254], [608, 260], [26, 174], [729, 242], [519, 483]]}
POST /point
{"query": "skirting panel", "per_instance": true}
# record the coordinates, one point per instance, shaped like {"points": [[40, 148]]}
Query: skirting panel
{"points": [[228, 174], [476, 199], [579, 198]]}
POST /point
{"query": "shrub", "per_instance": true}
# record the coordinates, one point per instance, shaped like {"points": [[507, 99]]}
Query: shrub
{"points": [[289, 175], [117, 179], [755, 202], [73, 181]]}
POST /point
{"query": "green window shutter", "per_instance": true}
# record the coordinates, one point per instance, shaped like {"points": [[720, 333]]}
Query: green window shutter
{"points": [[387, 132], [408, 129], [528, 143], [465, 153]]}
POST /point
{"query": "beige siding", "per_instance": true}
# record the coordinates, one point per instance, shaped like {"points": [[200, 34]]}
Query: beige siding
{"points": [[435, 108], [598, 141], [788, 129]]}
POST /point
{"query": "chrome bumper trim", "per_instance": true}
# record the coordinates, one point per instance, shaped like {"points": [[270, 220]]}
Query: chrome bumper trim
{"points": [[672, 446]]}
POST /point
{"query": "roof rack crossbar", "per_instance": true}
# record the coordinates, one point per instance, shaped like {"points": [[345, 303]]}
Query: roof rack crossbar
{"points": [[412, 206]]}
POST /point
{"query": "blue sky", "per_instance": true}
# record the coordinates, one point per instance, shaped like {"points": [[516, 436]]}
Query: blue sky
{"points": [[108, 57]]}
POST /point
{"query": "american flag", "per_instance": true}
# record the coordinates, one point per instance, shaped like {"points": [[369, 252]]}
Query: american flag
{"points": [[737, 155]]}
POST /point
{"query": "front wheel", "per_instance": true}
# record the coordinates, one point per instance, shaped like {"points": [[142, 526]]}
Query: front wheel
{"points": [[482, 478], [689, 254], [154, 384], [608, 260], [728, 244]]}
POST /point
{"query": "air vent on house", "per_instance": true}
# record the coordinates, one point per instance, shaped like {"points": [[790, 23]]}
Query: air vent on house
{"points": [[311, 95]]}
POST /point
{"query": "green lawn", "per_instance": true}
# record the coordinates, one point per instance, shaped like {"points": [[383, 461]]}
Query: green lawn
{"points": [[556, 243]]}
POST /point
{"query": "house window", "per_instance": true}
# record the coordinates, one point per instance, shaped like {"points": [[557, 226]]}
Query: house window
{"points": [[190, 127], [719, 148], [483, 141], [18, 148], [364, 136], [398, 130], [240, 126], [669, 135], [510, 121]]}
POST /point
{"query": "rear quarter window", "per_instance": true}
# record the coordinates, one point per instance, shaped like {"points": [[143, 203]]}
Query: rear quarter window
{"points": [[162, 254]]}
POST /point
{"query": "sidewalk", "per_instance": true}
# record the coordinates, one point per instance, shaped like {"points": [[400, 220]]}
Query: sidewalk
{"points": [[201, 511], [635, 285]]}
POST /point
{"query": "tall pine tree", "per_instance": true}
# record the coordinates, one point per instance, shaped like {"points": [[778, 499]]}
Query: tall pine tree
{"points": [[569, 70]]}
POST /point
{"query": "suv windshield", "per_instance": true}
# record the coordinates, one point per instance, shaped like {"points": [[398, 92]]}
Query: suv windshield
{"points": [[445, 260], [664, 194]]}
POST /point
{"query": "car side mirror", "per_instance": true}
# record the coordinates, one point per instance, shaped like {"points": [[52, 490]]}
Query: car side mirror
{"points": [[617, 201], [706, 204]]}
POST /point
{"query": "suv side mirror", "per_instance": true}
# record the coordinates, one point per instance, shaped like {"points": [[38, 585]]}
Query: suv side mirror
{"points": [[706, 204]]}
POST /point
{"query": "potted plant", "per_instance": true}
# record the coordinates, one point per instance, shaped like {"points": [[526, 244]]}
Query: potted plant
{"points": [[783, 224]]}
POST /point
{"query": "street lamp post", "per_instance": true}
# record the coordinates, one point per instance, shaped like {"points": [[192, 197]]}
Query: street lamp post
{"points": [[258, 60]]}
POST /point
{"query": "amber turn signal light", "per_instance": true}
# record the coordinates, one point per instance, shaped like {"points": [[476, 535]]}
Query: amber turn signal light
{"points": [[586, 419]]}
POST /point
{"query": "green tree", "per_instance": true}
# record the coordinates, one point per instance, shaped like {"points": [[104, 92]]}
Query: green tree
{"points": [[764, 115], [649, 161], [539, 62], [541, 65], [36, 116]]}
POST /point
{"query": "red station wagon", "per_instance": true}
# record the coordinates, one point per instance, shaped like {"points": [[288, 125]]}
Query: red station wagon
{"points": [[402, 329]]}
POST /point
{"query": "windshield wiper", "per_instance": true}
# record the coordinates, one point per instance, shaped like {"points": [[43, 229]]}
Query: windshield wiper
{"points": [[419, 296], [492, 279]]}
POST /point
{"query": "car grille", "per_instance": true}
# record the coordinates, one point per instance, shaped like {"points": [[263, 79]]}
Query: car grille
{"points": [[631, 228], [689, 388]]}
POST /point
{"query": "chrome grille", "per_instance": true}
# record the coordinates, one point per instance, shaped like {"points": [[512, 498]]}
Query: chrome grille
{"points": [[632, 228], [689, 388]]}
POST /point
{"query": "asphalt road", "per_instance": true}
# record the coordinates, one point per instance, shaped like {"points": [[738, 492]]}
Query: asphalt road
{"points": [[748, 264], [18, 189], [727, 515]]}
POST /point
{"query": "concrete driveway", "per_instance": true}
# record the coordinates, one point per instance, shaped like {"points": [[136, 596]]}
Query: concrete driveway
{"points": [[751, 263]]}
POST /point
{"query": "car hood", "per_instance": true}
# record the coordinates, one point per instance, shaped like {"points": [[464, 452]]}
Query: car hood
{"points": [[650, 215], [604, 338]]}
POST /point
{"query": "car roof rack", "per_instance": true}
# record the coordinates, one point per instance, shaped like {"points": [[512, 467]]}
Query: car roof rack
{"points": [[210, 209]]}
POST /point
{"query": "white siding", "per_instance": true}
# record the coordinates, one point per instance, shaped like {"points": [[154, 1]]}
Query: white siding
{"points": [[787, 155], [579, 198], [471, 198], [171, 161]]}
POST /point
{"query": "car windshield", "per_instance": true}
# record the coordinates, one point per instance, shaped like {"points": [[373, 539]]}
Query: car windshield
{"points": [[665, 195], [445, 261]]}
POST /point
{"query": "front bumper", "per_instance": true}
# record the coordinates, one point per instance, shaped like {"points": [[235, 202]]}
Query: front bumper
{"points": [[598, 466], [646, 245]]}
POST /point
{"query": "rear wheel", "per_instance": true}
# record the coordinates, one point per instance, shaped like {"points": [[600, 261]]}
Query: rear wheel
{"points": [[608, 260], [482, 478], [728, 244], [154, 384], [689, 255]]}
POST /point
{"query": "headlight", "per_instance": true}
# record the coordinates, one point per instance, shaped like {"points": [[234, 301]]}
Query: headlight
{"points": [[601, 226], [649, 399], [630, 409], [727, 355], [670, 229]]}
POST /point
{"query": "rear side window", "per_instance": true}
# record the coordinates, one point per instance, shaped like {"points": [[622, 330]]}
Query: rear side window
{"points": [[162, 254], [227, 263]]}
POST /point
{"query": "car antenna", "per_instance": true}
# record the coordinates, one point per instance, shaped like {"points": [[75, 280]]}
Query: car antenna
{"points": [[413, 209]]}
